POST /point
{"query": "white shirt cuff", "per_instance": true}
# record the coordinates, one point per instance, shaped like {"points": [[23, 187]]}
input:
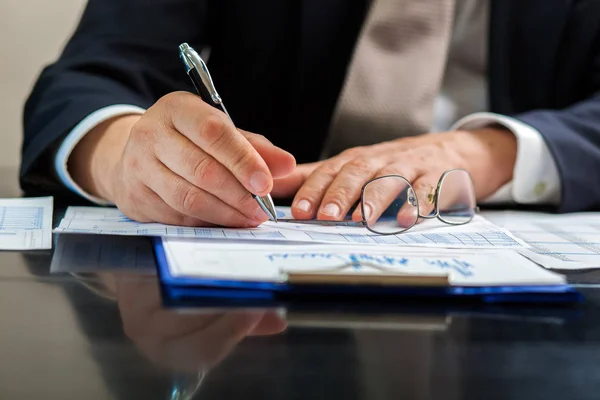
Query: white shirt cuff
{"points": [[73, 138], [535, 176]]}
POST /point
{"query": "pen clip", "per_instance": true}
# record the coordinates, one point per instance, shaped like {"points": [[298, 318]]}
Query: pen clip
{"points": [[192, 60]]}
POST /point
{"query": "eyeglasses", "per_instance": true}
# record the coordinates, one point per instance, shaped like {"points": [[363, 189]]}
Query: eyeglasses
{"points": [[389, 204]]}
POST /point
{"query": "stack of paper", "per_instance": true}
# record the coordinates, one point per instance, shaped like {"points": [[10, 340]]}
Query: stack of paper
{"points": [[479, 234], [477, 254]]}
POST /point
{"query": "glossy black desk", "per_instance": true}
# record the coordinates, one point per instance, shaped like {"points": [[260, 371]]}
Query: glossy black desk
{"points": [[107, 336]]}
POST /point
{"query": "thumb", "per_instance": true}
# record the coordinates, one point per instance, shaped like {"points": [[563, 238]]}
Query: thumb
{"points": [[280, 162]]}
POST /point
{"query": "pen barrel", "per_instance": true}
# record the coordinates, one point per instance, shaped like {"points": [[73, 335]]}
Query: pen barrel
{"points": [[202, 90]]}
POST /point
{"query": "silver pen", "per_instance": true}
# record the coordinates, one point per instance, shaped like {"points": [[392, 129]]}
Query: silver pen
{"points": [[198, 73]]}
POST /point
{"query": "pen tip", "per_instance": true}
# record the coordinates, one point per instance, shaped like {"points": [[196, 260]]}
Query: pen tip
{"points": [[266, 203]]}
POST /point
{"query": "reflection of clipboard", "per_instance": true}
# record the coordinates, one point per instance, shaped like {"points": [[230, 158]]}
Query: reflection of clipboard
{"points": [[403, 322]]}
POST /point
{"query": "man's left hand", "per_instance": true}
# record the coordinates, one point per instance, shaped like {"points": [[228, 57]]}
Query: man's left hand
{"points": [[328, 189]]}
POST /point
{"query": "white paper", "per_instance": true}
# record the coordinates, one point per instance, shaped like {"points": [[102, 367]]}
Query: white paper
{"points": [[26, 223], [480, 233], [565, 241], [269, 263]]}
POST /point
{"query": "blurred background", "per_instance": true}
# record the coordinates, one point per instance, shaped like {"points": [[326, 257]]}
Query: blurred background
{"points": [[32, 34]]}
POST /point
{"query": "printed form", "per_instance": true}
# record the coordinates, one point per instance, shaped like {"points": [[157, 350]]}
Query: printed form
{"points": [[479, 233], [26, 224], [565, 241]]}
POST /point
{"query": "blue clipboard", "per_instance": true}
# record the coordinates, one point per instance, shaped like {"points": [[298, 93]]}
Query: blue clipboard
{"points": [[215, 292]]}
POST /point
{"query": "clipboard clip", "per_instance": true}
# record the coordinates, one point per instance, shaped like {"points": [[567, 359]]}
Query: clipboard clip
{"points": [[386, 277]]}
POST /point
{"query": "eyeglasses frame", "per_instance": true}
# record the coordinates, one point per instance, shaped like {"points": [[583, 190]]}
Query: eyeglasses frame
{"points": [[365, 224], [436, 194]]}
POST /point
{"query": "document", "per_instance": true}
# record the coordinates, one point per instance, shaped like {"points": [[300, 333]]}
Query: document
{"points": [[87, 253], [480, 233], [271, 263], [564, 241], [26, 223]]}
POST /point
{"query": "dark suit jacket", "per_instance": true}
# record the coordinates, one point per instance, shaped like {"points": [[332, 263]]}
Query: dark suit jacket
{"points": [[281, 65]]}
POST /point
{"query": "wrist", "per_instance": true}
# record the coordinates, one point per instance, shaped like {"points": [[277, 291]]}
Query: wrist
{"points": [[93, 162], [491, 157]]}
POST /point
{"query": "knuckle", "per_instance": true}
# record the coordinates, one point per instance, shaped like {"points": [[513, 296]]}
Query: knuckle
{"points": [[339, 194], [142, 133], [352, 152], [132, 163], [172, 100], [243, 159], [360, 165], [390, 170], [327, 169], [204, 169], [214, 131], [191, 201], [422, 186]]}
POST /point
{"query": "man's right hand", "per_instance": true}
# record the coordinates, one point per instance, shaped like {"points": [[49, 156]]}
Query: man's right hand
{"points": [[183, 163]]}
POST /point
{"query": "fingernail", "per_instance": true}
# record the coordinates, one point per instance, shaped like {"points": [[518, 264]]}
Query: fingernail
{"points": [[366, 211], [303, 205], [331, 209], [252, 223], [259, 182]]}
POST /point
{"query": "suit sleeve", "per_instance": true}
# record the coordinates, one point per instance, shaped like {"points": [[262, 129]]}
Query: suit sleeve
{"points": [[573, 138], [122, 52]]}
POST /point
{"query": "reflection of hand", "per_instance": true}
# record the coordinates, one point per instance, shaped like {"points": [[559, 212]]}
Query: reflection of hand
{"points": [[330, 188], [185, 342], [183, 162]]}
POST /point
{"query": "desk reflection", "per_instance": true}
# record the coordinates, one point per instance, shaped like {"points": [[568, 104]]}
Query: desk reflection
{"points": [[184, 345], [145, 350], [185, 341], [392, 355]]}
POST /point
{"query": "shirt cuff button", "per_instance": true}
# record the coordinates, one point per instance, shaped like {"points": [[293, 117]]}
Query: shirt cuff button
{"points": [[539, 189]]}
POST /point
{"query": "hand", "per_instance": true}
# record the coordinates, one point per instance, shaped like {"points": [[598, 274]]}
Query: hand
{"points": [[183, 163], [185, 342], [327, 190]]}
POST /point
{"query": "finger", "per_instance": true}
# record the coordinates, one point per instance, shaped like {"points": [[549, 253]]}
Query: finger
{"points": [[345, 189], [143, 314], [212, 131], [190, 200], [456, 194], [310, 194], [270, 324], [223, 335], [425, 187], [280, 162], [161, 212], [288, 186], [188, 351], [383, 197], [147, 206], [190, 162]]}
